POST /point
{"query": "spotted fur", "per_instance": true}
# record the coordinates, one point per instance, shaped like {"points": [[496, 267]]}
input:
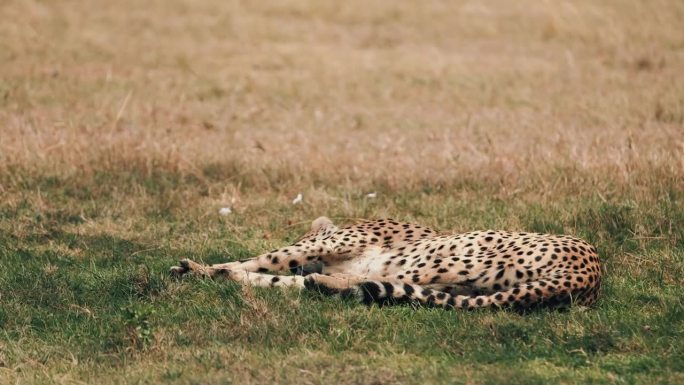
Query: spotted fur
{"points": [[384, 261]]}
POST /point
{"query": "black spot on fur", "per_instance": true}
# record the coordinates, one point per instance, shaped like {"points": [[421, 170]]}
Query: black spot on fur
{"points": [[346, 293], [370, 291], [310, 284], [389, 289]]}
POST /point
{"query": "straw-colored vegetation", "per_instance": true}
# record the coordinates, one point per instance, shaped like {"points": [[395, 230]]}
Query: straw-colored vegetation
{"points": [[126, 125]]}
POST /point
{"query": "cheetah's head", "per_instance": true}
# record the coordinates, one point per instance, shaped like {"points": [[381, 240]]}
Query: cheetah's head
{"points": [[321, 228]]}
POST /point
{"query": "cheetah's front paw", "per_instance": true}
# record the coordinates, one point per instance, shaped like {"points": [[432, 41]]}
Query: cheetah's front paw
{"points": [[187, 266]]}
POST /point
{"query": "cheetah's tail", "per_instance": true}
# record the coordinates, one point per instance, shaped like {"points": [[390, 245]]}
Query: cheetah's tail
{"points": [[542, 292]]}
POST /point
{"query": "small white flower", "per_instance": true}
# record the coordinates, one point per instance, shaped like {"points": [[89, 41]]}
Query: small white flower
{"points": [[371, 195], [225, 211], [298, 199]]}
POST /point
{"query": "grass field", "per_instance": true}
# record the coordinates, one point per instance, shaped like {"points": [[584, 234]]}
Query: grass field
{"points": [[125, 126]]}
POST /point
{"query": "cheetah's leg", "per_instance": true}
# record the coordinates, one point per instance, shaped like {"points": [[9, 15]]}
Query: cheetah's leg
{"points": [[260, 279], [334, 281], [339, 281], [281, 259]]}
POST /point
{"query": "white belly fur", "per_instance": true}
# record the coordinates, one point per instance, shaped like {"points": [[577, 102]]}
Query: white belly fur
{"points": [[372, 260]]}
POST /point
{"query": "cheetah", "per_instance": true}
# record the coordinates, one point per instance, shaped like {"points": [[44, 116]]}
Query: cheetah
{"points": [[384, 261]]}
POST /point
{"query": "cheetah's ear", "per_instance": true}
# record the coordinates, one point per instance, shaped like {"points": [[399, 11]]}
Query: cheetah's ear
{"points": [[320, 223]]}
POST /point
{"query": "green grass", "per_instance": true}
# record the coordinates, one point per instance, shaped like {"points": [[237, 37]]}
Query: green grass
{"points": [[84, 294]]}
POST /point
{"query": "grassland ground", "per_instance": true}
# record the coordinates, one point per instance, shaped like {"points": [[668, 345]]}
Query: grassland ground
{"points": [[125, 126]]}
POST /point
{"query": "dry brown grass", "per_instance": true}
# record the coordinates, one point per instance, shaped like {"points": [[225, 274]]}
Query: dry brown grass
{"points": [[397, 92]]}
